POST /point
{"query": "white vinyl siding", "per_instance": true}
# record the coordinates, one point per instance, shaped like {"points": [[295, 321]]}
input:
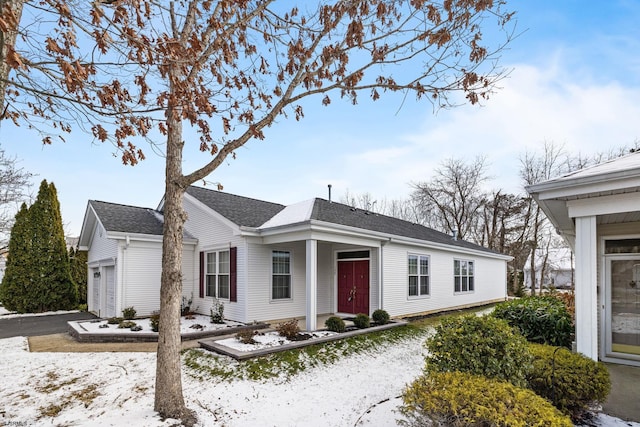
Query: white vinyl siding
{"points": [[489, 281], [214, 234]]}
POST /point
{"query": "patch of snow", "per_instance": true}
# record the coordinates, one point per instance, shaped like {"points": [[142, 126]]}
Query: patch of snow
{"points": [[186, 325], [266, 340], [6, 314], [292, 214], [114, 389]]}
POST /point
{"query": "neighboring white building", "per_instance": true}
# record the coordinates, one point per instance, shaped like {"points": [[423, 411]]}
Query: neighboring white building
{"points": [[597, 211], [553, 267], [269, 262]]}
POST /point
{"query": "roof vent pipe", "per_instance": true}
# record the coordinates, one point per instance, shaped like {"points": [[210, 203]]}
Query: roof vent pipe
{"points": [[455, 234], [329, 186]]}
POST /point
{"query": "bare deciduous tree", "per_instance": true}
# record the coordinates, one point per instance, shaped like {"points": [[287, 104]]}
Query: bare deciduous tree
{"points": [[134, 70], [14, 186], [453, 199]]}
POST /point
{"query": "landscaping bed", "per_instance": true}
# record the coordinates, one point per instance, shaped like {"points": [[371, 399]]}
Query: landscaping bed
{"points": [[192, 328]]}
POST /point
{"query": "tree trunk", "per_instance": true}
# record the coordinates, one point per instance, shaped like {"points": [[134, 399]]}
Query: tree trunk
{"points": [[11, 11], [169, 401]]}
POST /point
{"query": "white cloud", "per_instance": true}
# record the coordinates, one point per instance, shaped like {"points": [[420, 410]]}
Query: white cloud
{"points": [[534, 106]]}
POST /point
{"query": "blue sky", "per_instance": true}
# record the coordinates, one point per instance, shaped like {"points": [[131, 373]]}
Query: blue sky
{"points": [[575, 81]]}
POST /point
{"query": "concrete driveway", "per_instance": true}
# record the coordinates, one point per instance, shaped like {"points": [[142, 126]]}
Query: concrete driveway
{"points": [[30, 326]]}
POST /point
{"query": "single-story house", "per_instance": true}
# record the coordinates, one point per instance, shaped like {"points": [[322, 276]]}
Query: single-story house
{"points": [[597, 211], [269, 262], [553, 268]]}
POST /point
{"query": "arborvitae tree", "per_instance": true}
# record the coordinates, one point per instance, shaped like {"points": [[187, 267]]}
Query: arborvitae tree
{"points": [[56, 290], [38, 275], [78, 263], [18, 277]]}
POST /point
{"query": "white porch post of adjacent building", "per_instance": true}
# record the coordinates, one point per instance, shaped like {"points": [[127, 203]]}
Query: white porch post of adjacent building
{"points": [[312, 285], [586, 287]]}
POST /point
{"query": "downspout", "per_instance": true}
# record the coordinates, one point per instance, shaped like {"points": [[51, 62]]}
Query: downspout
{"points": [[123, 273]]}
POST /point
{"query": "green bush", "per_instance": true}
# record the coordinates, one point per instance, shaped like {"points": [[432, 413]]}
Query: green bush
{"points": [[155, 321], [246, 336], [289, 329], [217, 312], [126, 324], [571, 381], [458, 399], [361, 321], [82, 307], [114, 320], [129, 313], [543, 319], [381, 317], [335, 324], [481, 346]]}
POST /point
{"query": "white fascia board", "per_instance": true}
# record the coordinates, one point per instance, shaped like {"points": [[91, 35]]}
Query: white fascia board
{"points": [[120, 235], [604, 205], [232, 225], [88, 227], [569, 187]]}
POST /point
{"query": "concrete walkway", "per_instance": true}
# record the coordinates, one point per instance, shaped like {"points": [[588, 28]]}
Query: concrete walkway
{"points": [[624, 400]]}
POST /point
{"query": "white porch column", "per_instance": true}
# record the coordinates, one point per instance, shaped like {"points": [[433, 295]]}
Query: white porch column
{"points": [[586, 287], [312, 285]]}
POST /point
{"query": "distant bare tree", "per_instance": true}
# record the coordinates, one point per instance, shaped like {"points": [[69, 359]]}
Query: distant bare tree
{"points": [[552, 161], [403, 209], [14, 187], [453, 199]]}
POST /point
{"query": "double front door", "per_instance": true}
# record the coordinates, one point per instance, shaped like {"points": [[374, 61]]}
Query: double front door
{"points": [[353, 286]]}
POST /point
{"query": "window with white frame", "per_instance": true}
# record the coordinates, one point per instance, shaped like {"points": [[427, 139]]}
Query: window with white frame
{"points": [[217, 274], [463, 276], [418, 272], [281, 275]]}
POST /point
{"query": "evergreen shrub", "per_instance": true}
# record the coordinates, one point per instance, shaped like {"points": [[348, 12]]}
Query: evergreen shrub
{"points": [[362, 321], [246, 336], [457, 399], [126, 324], [541, 319], [380, 316], [129, 313], [217, 312], [335, 324], [115, 320], [155, 321], [571, 381], [481, 346]]}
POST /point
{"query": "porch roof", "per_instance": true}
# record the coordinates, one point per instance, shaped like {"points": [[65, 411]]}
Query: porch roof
{"points": [[620, 176]]}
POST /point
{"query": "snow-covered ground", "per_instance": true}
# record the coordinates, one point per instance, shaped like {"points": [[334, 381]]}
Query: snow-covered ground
{"points": [[196, 323], [114, 389]]}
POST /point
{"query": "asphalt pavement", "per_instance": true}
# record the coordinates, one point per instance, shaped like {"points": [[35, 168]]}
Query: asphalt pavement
{"points": [[31, 326]]}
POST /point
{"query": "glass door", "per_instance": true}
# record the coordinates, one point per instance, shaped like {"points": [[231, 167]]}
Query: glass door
{"points": [[622, 307]]}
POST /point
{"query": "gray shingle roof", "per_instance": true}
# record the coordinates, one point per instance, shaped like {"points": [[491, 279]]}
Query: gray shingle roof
{"points": [[338, 213], [248, 212], [242, 211], [128, 219]]}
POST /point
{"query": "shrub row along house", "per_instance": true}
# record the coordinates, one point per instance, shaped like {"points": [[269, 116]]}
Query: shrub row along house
{"points": [[268, 262]]}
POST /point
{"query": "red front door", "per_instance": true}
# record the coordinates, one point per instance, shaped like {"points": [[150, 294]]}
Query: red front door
{"points": [[353, 286]]}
